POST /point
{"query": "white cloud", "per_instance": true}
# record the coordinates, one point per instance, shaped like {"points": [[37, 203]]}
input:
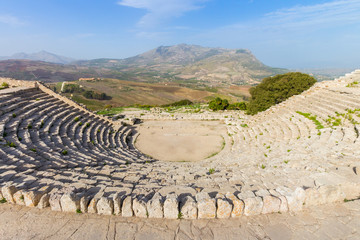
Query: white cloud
{"points": [[296, 36], [335, 12], [161, 10], [296, 21], [10, 20]]}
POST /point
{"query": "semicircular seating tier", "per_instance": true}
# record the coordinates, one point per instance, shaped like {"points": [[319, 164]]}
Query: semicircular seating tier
{"points": [[303, 151]]}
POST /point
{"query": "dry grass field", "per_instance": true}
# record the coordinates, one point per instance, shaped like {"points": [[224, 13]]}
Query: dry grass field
{"points": [[127, 93]]}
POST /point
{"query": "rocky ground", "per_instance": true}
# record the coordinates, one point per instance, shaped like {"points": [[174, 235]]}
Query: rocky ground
{"points": [[332, 221]]}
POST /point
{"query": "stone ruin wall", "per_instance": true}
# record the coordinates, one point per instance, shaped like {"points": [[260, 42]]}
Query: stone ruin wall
{"points": [[17, 83]]}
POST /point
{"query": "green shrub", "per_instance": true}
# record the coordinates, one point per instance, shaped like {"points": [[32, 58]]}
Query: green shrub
{"points": [[218, 104], [211, 170], [274, 90], [14, 115], [312, 118], [11, 144], [4, 85], [76, 119], [64, 152], [238, 106], [33, 149], [29, 126], [184, 102]]}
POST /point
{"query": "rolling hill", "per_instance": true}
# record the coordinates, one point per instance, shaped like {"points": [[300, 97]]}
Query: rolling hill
{"points": [[40, 56]]}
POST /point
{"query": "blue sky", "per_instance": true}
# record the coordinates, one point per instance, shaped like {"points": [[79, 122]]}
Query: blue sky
{"points": [[280, 33]]}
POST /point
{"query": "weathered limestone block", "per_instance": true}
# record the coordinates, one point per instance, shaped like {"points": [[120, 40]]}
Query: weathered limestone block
{"points": [[246, 194], [54, 201], [351, 190], [84, 203], [238, 205], [271, 204], [32, 198], [139, 207], [126, 210], [283, 204], [171, 205], [91, 208], [69, 203], [206, 205], [295, 198], [323, 194], [224, 207], [44, 201], [331, 194], [253, 206], [262, 193], [8, 192], [155, 206], [118, 200], [105, 206], [188, 208], [19, 198]]}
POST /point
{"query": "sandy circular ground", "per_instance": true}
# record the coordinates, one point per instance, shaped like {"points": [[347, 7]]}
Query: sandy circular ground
{"points": [[181, 140]]}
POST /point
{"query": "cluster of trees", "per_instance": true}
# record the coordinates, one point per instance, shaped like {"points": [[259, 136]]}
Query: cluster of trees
{"points": [[95, 95], [271, 91], [222, 104], [184, 102], [74, 88]]}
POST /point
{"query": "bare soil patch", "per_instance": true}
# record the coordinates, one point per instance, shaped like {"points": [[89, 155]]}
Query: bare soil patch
{"points": [[179, 141]]}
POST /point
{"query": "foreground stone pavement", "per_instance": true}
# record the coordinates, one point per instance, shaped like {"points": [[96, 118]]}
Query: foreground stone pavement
{"points": [[332, 221]]}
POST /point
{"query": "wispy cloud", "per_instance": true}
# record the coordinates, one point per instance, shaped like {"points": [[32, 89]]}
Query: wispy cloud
{"points": [[297, 20], [335, 12], [161, 10], [10, 20], [293, 36]]}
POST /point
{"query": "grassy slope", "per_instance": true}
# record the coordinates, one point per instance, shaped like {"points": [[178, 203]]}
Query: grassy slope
{"points": [[126, 93]]}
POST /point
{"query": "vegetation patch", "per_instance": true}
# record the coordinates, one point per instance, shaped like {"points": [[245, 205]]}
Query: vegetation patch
{"points": [[274, 90], [353, 84], [64, 152], [11, 144], [312, 118], [184, 102], [89, 94], [223, 104]]}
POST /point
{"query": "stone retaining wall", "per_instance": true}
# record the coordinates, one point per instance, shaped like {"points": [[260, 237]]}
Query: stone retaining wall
{"points": [[172, 206], [17, 83]]}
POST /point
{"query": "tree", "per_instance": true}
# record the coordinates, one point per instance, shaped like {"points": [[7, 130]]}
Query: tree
{"points": [[218, 104], [274, 90], [238, 106]]}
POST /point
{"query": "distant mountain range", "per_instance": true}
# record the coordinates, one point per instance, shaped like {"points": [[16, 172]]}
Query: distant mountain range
{"points": [[41, 56], [180, 63]]}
